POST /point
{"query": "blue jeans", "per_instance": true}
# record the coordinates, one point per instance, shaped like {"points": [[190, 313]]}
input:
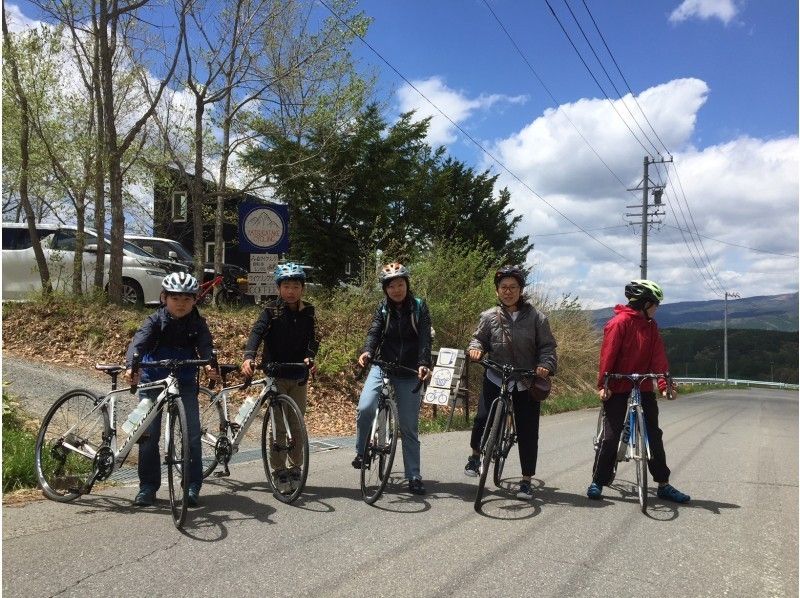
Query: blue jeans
{"points": [[407, 410], [149, 454]]}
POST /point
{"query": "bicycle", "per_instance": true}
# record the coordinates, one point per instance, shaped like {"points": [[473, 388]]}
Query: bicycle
{"points": [[500, 433], [283, 432], [229, 295], [379, 449], [634, 442], [77, 442]]}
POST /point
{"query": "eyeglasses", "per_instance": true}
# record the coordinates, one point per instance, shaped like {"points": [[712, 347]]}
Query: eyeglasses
{"points": [[511, 288]]}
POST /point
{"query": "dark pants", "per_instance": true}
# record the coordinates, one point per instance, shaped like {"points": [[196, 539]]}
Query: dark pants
{"points": [[526, 416], [149, 454], [614, 421]]}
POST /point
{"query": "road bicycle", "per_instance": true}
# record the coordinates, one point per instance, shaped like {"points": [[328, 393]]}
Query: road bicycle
{"points": [[284, 439], [77, 443], [380, 446], [229, 294], [634, 442], [500, 433]]}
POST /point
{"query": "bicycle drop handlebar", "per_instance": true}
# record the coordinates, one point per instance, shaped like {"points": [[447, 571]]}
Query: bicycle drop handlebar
{"points": [[171, 364], [637, 380], [273, 368]]}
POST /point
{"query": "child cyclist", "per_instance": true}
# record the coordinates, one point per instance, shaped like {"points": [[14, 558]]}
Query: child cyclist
{"points": [[287, 329], [175, 331], [401, 333], [632, 344]]}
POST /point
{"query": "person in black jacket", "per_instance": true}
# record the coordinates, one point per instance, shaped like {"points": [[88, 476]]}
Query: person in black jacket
{"points": [[400, 333], [175, 331], [287, 330]]}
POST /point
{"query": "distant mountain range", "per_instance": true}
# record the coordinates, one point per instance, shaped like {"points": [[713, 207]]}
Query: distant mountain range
{"points": [[772, 312]]}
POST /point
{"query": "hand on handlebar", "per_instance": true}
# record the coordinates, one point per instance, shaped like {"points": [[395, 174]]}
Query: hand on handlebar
{"points": [[422, 372], [211, 372], [604, 394], [363, 359], [131, 378], [312, 367], [475, 354], [247, 368]]}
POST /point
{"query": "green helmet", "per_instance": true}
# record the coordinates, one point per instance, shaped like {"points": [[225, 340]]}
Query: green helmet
{"points": [[646, 290]]}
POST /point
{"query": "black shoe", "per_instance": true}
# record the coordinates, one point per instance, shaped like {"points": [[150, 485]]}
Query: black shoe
{"points": [[473, 466], [145, 498], [192, 496], [415, 486], [357, 462]]}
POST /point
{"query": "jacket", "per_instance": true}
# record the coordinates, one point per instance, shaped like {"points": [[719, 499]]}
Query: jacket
{"points": [[533, 343], [164, 337], [632, 344], [400, 335], [288, 336]]}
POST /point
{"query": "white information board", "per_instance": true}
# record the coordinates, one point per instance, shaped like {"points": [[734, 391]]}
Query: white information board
{"points": [[261, 280]]}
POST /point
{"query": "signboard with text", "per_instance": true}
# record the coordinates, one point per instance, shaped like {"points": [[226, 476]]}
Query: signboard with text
{"points": [[263, 228], [261, 280]]}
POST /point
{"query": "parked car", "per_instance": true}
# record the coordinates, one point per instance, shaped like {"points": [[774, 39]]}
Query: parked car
{"points": [[142, 272]]}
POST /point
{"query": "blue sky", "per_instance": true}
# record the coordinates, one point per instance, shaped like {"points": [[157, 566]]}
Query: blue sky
{"points": [[718, 80]]}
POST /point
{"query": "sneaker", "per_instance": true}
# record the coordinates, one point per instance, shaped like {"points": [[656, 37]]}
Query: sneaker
{"points": [[668, 492], [295, 474], [282, 482], [415, 486], [525, 490], [145, 498], [473, 466], [357, 462], [193, 495], [594, 491]]}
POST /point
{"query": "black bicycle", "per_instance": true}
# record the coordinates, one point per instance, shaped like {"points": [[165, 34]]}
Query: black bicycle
{"points": [[380, 447], [500, 433]]}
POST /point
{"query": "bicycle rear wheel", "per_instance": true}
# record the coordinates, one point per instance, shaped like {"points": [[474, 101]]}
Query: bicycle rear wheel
{"points": [[284, 448], [507, 441], [177, 459], [640, 460], [212, 426], [488, 450], [378, 457], [72, 432]]}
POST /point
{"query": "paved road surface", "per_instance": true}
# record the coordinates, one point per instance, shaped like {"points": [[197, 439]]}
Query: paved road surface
{"points": [[735, 452]]}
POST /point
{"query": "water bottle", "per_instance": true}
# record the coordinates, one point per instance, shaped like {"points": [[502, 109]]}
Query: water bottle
{"points": [[137, 415], [245, 410], [623, 446]]}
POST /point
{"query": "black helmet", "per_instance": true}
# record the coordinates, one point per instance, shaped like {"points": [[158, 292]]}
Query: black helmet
{"points": [[644, 290], [506, 271]]}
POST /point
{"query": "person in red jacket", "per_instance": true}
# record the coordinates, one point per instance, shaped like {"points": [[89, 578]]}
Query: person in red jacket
{"points": [[632, 344]]}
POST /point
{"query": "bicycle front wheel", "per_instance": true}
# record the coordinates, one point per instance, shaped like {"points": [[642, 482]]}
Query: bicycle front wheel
{"points": [[72, 432], [507, 441], [378, 457], [640, 460], [212, 426], [488, 451], [284, 448], [177, 458]]}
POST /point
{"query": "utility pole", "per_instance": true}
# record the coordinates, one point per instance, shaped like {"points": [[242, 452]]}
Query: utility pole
{"points": [[647, 217], [725, 334]]}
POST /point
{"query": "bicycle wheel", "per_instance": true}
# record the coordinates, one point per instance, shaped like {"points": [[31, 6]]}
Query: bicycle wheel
{"points": [[212, 426], [376, 464], [507, 441], [640, 460], [488, 450], [284, 448], [177, 459], [72, 432]]}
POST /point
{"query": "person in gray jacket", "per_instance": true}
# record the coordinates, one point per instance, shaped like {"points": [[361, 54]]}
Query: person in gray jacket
{"points": [[512, 332]]}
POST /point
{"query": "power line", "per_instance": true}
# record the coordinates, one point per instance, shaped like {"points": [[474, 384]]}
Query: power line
{"points": [[791, 255]]}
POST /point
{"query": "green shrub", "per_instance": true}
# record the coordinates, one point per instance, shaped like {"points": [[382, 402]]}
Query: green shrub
{"points": [[18, 449]]}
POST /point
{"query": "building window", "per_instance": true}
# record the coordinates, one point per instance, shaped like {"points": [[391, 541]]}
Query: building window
{"points": [[179, 207], [347, 269], [210, 252]]}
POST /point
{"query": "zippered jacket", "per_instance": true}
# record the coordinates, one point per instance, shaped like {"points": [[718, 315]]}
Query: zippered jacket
{"points": [[632, 344], [401, 335], [526, 342], [164, 337]]}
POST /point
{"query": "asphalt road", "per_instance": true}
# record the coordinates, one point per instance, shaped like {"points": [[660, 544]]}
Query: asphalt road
{"points": [[735, 452]]}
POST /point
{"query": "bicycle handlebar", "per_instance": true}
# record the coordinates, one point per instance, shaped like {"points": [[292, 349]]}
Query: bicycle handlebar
{"points": [[171, 364], [274, 367], [637, 379], [506, 370], [388, 365]]}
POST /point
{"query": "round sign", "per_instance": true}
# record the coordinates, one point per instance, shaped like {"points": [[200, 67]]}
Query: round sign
{"points": [[263, 227]]}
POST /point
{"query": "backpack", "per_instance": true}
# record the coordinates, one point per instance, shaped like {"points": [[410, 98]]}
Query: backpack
{"points": [[414, 314]]}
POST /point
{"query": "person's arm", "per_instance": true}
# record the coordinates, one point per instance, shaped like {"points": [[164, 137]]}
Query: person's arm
{"points": [[612, 342], [546, 357], [375, 332], [141, 344], [481, 341], [424, 331], [205, 348], [257, 334]]}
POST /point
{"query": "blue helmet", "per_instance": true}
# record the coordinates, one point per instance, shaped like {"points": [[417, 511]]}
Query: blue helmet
{"points": [[289, 271]]}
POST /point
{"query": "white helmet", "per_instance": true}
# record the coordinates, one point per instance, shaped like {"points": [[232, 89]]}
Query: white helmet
{"points": [[180, 282]]}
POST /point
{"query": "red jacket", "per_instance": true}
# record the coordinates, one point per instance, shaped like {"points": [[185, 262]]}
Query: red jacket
{"points": [[631, 345]]}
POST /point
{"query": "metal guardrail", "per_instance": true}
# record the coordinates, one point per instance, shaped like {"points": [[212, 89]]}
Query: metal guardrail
{"points": [[731, 381]]}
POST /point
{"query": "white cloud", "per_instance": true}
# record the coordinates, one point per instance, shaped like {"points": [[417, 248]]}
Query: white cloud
{"points": [[454, 103], [724, 10], [17, 21]]}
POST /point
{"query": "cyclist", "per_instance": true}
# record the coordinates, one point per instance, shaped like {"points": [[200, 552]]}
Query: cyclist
{"points": [[401, 333], [512, 332], [175, 331], [287, 329], [632, 344]]}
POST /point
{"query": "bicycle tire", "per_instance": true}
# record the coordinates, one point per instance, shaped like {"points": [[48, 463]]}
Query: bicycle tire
{"points": [[274, 442], [640, 458], [212, 425], [507, 441], [487, 452], [379, 451], [177, 453], [62, 473], [227, 299]]}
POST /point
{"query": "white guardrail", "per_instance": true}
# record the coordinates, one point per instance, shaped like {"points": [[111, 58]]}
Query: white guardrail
{"points": [[731, 381]]}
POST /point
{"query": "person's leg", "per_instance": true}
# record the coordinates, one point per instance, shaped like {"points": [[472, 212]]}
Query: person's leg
{"points": [[299, 394], [658, 457], [192, 408], [526, 416], [489, 393], [408, 404], [149, 466], [367, 405], [614, 420]]}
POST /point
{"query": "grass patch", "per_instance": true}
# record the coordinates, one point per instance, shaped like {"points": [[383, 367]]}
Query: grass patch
{"points": [[565, 403], [438, 423], [18, 449]]}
